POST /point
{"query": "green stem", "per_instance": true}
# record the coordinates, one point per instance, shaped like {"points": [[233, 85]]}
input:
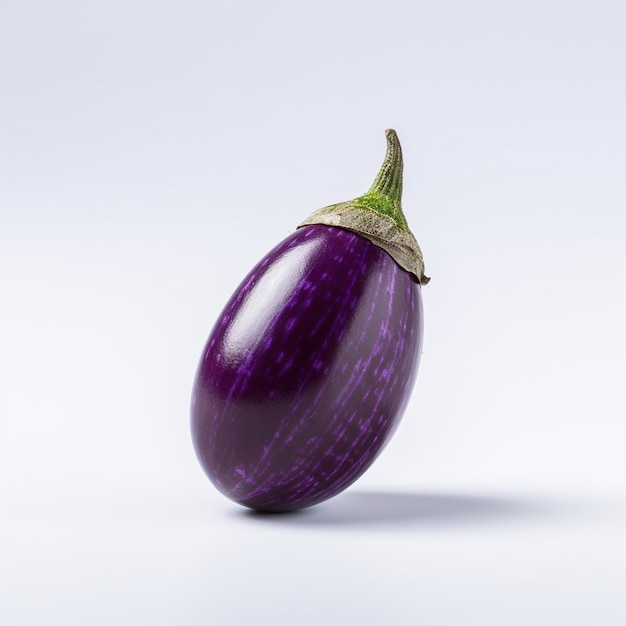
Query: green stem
{"points": [[377, 215], [385, 195], [389, 180]]}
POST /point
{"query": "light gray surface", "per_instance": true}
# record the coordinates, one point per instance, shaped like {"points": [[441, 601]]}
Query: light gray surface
{"points": [[151, 153]]}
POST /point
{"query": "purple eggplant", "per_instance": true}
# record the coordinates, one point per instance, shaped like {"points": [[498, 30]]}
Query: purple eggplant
{"points": [[310, 365]]}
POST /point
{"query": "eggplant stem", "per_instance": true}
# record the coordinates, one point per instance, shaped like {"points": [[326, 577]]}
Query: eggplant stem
{"points": [[378, 216], [389, 180]]}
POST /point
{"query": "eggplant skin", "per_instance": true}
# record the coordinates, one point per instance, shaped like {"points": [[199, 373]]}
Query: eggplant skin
{"points": [[307, 371]]}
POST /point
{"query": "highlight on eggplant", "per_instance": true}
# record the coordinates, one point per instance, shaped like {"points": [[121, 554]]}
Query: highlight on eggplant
{"points": [[310, 365]]}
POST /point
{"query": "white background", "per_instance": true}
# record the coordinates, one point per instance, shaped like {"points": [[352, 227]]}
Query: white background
{"points": [[152, 152]]}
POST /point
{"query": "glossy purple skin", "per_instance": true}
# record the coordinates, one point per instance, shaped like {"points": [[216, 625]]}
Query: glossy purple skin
{"points": [[307, 371]]}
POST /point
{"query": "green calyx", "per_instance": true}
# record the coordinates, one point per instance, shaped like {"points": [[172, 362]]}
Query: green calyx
{"points": [[378, 203], [377, 215]]}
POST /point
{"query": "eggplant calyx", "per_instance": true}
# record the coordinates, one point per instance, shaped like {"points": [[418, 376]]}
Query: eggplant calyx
{"points": [[378, 216]]}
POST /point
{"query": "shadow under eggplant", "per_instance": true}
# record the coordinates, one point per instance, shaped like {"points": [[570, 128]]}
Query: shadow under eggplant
{"points": [[371, 509]]}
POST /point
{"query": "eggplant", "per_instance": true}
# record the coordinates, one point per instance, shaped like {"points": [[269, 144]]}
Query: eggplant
{"points": [[310, 365]]}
